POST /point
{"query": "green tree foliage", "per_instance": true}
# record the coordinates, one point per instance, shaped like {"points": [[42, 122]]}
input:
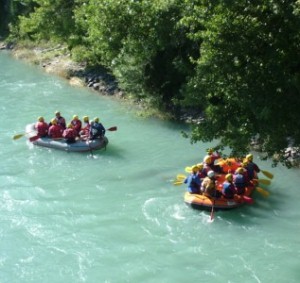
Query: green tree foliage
{"points": [[9, 11], [248, 75], [141, 42], [50, 20]]}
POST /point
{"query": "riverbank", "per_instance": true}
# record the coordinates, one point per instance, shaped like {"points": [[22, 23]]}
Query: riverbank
{"points": [[57, 60]]}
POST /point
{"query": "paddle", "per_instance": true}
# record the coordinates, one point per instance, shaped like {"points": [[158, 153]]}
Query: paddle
{"points": [[212, 210], [267, 174], [177, 183], [263, 181], [179, 179], [91, 150], [188, 169], [34, 138], [247, 199], [262, 191], [243, 199], [114, 128], [16, 137]]}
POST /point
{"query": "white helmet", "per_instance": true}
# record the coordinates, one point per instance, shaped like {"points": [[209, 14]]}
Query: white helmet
{"points": [[210, 174]]}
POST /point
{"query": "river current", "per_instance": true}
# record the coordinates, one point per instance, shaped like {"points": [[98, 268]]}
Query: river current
{"points": [[114, 215]]}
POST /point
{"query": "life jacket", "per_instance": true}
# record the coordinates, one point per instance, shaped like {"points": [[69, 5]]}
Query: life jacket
{"points": [[208, 187], [96, 130], [202, 174], [239, 182], [61, 121], [69, 133], [194, 183], [214, 157], [76, 125], [55, 131], [228, 190], [252, 169], [42, 129], [86, 127]]}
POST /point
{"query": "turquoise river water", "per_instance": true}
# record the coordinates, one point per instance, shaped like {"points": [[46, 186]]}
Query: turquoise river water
{"points": [[115, 216]]}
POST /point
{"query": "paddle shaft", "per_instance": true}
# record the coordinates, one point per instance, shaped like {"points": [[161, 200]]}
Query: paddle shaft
{"points": [[212, 210], [16, 137]]}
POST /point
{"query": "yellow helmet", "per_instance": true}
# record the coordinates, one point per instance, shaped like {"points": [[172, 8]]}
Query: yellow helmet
{"points": [[57, 112], [96, 119], [70, 125], [244, 163], [240, 170], [210, 151], [249, 157], [53, 121], [228, 177], [195, 168], [75, 117], [41, 119], [85, 119], [200, 166], [207, 159]]}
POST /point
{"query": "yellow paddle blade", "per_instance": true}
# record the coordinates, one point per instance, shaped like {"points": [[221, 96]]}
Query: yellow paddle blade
{"points": [[188, 169], [176, 183], [221, 161], [180, 177], [267, 174], [263, 192], [264, 181], [16, 137]]}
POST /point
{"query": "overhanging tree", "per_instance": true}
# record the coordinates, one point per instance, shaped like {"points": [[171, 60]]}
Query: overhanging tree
{"points": [[248, 73]]}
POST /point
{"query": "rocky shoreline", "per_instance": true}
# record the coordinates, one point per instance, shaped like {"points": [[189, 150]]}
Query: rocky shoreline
{"points": [[56, 60]]}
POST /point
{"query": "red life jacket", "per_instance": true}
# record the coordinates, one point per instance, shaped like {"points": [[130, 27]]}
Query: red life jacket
{"points": [[69, 133], [55, 131], [42, 129], [86, 129], [76, 125]]}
